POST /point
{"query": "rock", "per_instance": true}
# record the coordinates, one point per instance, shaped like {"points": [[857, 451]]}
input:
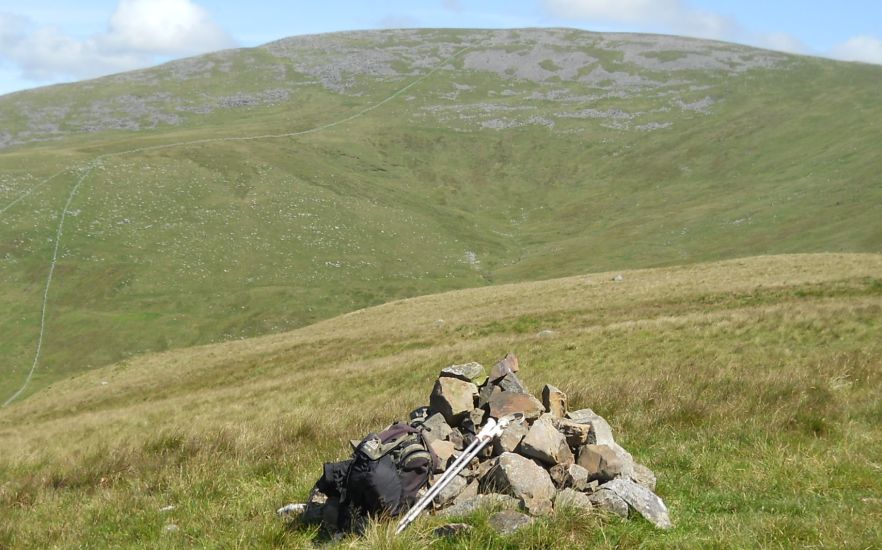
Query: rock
{"points": [[647, 503], [602, 433], [520, 477], [569, 476], [451, 490], [510, 438], [537, 506], [491, 500], [546, 444], [468, 372], [508, 522], [470, 491], [571, 498], [476, 417], [576, 434], [609, 501], [508, 364], [443, 450], [601, 461], [554, 401], [545, 333], [452, 530], [643, 476], [503, 403], [618, 278], [435, 427], [511, 382], [453, 398], [456, 438], [484, 394]]}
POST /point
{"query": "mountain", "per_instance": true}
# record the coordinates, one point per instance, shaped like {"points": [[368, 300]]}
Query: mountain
{"points": [[250, 192], [750, 386]]}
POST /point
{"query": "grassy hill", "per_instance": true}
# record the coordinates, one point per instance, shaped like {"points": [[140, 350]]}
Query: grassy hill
{"points": [[408, 163], [751, 387]]}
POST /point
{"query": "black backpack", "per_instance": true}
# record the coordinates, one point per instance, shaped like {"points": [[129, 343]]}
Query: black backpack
{"points": [[383, 477]]}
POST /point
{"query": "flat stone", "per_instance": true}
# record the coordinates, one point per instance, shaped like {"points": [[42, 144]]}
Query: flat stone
{"points": [[508, 364], [576, 434], [490, 500], [554, 401], [453, 398], [537, 506], [570, 498], [643, 476], [602, 433], [470, 491], [452, 530], [569, 476], [546, 444], [647, 503], [508, 522], [435, 427], [601, 461], [511, 383], [469, 372], [451, 490], [510, 438], [521, 478], [609, 501], [504, 403], [444, 451]]}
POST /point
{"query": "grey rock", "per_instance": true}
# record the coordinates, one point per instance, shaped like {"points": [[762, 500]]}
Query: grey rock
{"points": [[452, 490], [456, 438], [507, 522], [507, 365], [510, 438], [452, 530], [469, 372], [470, 491], [609, 501], [435, 427], [569, 476], [544, 443], [554, 401], [503, 403], [576, 434], [600, 427], [647, 503], [443, 451], [520, 477], [643, 476], [453, 398], [571, 498], [476, 417], [491, 500], [511, 383], [601, 461]]}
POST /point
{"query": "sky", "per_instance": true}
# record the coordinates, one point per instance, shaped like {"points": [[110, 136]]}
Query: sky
{"points": [[49, 41]]}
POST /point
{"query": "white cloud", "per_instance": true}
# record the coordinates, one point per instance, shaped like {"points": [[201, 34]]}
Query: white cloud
{"points": [[140, 33], [859, 48], [670, 14], [782, 42]]}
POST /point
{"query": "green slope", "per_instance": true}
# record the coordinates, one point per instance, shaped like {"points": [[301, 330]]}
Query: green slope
{"points": [[485, 157], [751, 387]]}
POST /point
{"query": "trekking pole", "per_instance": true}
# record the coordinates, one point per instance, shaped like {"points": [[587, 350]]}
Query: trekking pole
{"points": [[491, 430]]}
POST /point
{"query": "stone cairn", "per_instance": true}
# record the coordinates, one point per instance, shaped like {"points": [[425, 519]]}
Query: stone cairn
{"points": [[555, 458]]}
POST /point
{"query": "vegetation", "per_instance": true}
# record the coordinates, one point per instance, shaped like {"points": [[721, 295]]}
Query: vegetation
{"points": [[750, 386]]}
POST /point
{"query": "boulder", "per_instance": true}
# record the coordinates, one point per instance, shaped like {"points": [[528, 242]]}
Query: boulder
{"points": [[510, 438], [521, 478], [451, 490], [508, 522], [504, 403], [602, 433], [571, 498], [609, 501], [508, 364], [444, 451], [643, 476], [484, 394], [469, 372], [576, 434], [510, 382], [491, 500], [546, 444], [453, 398], [435, 427], [456, 438], [470, 491], [601, 461], [569, 476], [647, 503], [554, 401], [452, 530]]}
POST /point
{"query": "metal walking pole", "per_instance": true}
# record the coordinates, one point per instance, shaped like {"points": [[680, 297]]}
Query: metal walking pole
{"points": [[490, 430]]}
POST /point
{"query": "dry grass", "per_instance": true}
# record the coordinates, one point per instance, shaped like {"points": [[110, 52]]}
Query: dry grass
{"points": [[750, 386]]}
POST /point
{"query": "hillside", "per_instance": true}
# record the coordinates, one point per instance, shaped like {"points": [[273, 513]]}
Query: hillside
{"points": [[751, 387], [407, 163]]}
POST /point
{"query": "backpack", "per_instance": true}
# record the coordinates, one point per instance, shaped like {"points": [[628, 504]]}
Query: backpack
{"points": [[383, 477]]}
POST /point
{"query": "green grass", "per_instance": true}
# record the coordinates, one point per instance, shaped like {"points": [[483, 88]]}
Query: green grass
{"points": [[751, 387]]}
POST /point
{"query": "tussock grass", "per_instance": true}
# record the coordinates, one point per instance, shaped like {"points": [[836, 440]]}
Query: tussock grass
{"points": [[751, 388]]}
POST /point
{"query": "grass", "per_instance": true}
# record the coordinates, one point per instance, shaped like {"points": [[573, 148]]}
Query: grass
{"points": [[751, 387]]}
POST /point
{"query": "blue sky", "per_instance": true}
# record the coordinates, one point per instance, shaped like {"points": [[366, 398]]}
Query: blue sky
{"points": [[48, 41]]}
